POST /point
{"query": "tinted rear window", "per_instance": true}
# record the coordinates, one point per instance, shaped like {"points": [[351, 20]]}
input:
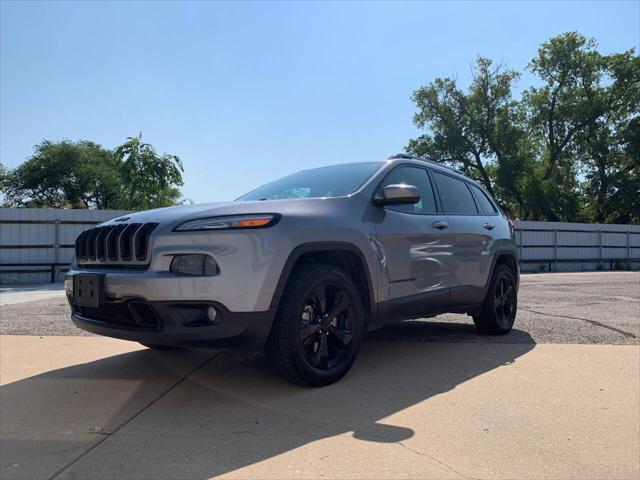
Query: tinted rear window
{"points": [[455, 196], [485, 204]]}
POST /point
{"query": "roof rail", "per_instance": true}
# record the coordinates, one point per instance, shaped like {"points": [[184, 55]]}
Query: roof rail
{"points": [[403, 155], [408, 156]]}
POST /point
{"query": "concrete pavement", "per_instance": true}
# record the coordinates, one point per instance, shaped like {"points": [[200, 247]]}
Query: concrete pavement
{"points": [[12, 295], [558, 397], [60, 396], [100, 408]]}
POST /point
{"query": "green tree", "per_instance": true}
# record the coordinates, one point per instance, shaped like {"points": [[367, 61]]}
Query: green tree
{"points": [[612, 172], [481, 131], [83, 174], [572, 117], [568, 150], [4, 176], [151, 180], [65, 174], [4, 173], [609, 147]]}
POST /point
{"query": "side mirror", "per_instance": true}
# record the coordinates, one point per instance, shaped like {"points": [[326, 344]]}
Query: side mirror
{"points": [[397, 194]]}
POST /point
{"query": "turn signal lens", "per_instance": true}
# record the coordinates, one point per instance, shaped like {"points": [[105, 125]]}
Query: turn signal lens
{"points": [[261, 220], [252, 223]]}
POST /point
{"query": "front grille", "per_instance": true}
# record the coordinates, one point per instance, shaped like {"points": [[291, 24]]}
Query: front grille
{"points": [[132, 314], [113, 245]]}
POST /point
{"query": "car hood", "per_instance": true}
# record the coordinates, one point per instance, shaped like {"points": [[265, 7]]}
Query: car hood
{"points": [[172, 215]]}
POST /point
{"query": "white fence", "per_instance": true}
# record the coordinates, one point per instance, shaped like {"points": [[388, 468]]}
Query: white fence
{"points": [[555, 246], [36, 245]]}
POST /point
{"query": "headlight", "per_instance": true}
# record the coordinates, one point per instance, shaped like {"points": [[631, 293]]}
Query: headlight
{"points": [[229, 222], [194, 265]]}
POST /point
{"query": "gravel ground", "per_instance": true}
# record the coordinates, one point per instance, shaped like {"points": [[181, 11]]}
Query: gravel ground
{"points": [[594, 307], [585, 307]]}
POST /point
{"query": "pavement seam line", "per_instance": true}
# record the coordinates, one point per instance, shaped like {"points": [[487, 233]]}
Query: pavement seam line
{"points": [[592, 322], [434, 459], [130, 419]]}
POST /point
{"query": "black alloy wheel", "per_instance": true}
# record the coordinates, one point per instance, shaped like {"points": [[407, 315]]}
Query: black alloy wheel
{"points": [[326, 329], [504, 293], [500, 305], [317, 331]]}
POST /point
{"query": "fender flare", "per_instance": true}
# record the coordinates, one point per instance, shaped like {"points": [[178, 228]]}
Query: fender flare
{"points": [[323, 246], [494, 262]]}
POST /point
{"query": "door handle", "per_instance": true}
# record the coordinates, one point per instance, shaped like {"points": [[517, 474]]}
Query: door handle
{"points": [[440, 225], [488, 226]]}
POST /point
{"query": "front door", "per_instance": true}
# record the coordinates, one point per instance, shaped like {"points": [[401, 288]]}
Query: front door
{"points": [[416, 245]]}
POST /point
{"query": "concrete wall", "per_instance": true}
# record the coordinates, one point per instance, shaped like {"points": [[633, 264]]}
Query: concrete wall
{"points": [[36, 245]]}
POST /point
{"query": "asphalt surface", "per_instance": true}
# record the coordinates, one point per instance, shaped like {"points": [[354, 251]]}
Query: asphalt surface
{"points": [[581, 308]]}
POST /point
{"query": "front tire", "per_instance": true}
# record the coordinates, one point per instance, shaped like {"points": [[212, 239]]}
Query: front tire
{"points": [[500, 305], [319, 326]]}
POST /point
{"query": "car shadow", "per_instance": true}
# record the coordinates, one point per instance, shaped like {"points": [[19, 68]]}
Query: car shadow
{"points": [[443, 331], [230, 414]]}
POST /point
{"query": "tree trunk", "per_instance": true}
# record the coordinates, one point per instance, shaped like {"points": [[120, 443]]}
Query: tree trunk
{"points": [[483, 173]]}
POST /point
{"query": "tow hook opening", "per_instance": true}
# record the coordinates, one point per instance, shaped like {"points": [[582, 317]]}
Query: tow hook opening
{"points": [[143, 314]]}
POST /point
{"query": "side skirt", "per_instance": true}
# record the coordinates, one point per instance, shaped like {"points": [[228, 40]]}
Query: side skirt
{"points": [[423, 305]]}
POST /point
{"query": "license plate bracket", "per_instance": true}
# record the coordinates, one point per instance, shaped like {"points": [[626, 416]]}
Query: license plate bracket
{"points": [[88, 289]]}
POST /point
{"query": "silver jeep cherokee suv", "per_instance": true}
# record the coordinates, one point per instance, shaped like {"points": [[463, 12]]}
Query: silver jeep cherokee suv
{"points": [[302, 266]]}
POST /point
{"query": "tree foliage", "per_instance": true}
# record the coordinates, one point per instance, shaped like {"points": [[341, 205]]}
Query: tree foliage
{"points": [[566, 150], [83, 174], [150, 180], [66, 175]]}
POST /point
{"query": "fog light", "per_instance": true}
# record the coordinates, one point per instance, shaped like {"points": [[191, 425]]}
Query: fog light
{"points": [[212, 314]]}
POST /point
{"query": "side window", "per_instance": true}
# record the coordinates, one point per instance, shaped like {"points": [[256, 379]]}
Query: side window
{"points": [[455, 195], [419, 178], [485, 204]]}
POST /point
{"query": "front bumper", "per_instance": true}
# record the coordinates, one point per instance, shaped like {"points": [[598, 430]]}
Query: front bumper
{"points": [[181, 323]]}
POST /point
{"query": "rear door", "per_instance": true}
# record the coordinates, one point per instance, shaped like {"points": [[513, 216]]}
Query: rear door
{"points": [[417, 245], [473, 239], [492, 221]]}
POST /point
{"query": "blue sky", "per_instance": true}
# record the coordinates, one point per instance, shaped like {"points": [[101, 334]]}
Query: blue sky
{"points": [[247, 92]]}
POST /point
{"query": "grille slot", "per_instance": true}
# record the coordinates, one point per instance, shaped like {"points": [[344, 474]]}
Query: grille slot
{"points": [[112, 242], [134, 315], [126, 240], [101, 243], [91, 243], [115, 245], [142, 239], [81, 246]]}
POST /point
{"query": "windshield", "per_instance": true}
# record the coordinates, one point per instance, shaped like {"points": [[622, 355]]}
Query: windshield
{"points": [[333, 181]]}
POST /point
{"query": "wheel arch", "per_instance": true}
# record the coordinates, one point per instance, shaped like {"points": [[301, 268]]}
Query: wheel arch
{"points": [[344, 255], [508, 258]]}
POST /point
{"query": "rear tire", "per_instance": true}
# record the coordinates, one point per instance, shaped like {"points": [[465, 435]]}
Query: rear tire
{"points": [[500, 305], [319, 326], [161, 348]]}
